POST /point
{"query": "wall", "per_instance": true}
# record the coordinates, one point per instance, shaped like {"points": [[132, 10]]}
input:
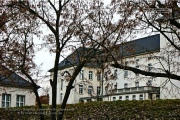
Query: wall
{"points": [[30, 98]]}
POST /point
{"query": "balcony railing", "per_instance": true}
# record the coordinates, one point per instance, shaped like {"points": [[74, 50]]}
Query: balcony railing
{"points": [[149, 89]]}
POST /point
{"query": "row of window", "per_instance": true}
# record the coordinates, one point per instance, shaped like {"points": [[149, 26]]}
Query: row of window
{"points": [[127, 97], [90, 76], [136, 84], [6, 100], [137, 66], [90, 90]]}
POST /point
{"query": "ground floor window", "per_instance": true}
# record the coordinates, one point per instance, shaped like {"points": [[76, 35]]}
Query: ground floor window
{"points": [[157, 97], [88, 100], [127, 97], [114, 98], [134, 97], [6, 100], [120, 97], [141, 97], [61, 97], [20, 100]]}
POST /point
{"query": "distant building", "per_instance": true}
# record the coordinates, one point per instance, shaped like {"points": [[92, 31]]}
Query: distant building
{"points": [[15, 91], [44, 99], [91, 84]]}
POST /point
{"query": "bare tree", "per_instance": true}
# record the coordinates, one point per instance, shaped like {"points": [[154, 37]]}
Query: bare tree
{"points": [[157, 17]]}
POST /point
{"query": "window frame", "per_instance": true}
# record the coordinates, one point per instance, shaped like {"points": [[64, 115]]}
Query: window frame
{"points": [[115, 73], [61, 84], [133, 97], [90, 88], [127, 97], [120, 97], [81, 89], [90, 75], [81, 75], [137, 67], [125, 85], [137, 84], [5, 101], [149, 67], [141, 97], [125, 73], [61, 97], [98, 90], [20, 103], [114, 98], [98, 76]]}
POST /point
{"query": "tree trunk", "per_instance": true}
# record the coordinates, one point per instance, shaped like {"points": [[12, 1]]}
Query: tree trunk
{"points": [[54, 86], [38, 101], [68, 90]]}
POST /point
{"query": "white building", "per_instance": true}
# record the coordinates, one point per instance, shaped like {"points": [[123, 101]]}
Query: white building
{"points": [[14, 90], [149, 54]]}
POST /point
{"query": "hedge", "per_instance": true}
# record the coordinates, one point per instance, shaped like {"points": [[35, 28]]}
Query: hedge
{"points": [[116, 110]]}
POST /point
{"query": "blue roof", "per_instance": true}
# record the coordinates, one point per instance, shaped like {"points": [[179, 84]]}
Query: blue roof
{"points": [[132, 48], [75, 58], [9, 78], [140, 46]]}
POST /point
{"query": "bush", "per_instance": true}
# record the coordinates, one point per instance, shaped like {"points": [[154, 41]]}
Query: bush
{"points": [[131, 110]]}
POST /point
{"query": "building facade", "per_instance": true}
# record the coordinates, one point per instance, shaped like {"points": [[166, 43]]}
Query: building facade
{"points": [[15, 91], [96, 83]]}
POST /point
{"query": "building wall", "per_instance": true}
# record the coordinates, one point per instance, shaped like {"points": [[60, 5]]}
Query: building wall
{"points": [[30, 98], [167, 89]]}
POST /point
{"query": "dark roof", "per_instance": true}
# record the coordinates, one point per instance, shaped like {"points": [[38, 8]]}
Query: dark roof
{"points": [[9, 78], [140, 46], [136, 47], [75, 58]]}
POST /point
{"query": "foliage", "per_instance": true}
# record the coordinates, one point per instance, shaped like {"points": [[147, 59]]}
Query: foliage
{"points": [[159, 109]]}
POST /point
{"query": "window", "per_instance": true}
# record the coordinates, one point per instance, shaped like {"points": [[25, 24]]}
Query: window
{"points": [[81, 75], [114, 98], [98, 76], [61, 97], [137, 60], [6, 100], [149, 67], [20, 100], [137, 84], [157, 96], [141, 97], [61, 84], [90, 75], [127, 97], [125, 73], [115, 73], [89, 100], [125, 85], [137, 67], [149, 83], [120, 97], [98, 90], [126, 63], [81, 89], [90, 90], [115, 86], [134, 97]]}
